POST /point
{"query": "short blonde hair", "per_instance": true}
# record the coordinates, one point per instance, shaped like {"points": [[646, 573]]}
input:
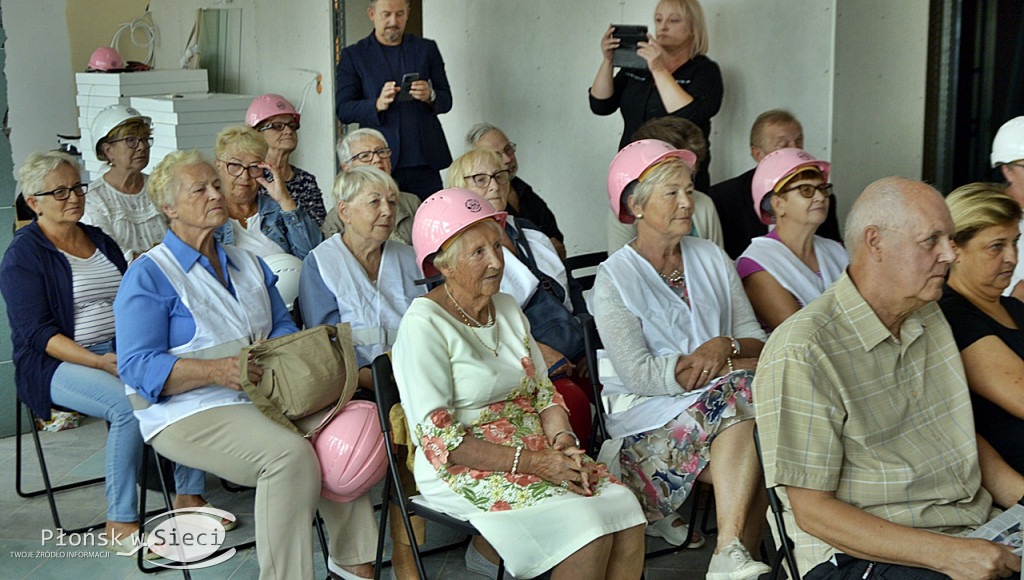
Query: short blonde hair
{"points": [[241, 138], [460, 168], [162, 186], [134, 127], [349, 183], [977, 206], [657, 174], [38, 165], [447, 257], [694, 14]]}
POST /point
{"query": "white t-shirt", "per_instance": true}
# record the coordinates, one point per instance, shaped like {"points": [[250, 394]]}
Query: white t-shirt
{"points": [[131, 219], [252, 238]]}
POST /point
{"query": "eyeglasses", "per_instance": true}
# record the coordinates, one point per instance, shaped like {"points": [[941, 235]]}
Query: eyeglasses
{"points": [[367, 156], [484, 179], [279, 126], [807, 190], [62, 193], [236, 169], [509, 149], [132, 141]]}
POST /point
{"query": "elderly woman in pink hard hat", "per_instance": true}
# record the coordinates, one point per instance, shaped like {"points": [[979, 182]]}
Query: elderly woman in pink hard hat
{"points": [[278, 122], [683, 342], [791, 266], [493, 441]]}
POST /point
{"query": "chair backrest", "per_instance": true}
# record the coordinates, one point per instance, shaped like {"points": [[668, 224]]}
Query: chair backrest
{"points": [[787, 547], [582, 262], [386, 390], [592, 342]]}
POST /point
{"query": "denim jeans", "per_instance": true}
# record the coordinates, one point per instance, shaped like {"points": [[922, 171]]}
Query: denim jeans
{"points": [[100, 394]]}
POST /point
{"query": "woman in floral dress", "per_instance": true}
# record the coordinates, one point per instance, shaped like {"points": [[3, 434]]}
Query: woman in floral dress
{"points": [[683, 342], [494, 443]]}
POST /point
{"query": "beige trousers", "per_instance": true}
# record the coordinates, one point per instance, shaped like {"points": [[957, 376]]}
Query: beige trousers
{"points": [[241, 445]]}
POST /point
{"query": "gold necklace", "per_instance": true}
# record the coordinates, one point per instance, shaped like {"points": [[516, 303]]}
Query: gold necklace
{"points": [[473, 323]]}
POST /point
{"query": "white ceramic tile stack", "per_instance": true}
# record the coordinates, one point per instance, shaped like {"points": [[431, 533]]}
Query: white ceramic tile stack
{"points": [[190, 121], [97, 91]]}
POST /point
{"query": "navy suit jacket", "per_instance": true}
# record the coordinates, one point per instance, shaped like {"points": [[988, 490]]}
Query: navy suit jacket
{"points": [[362, 72]]}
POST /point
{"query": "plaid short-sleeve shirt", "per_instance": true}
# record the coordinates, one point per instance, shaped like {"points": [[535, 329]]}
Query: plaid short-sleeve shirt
{"points": [[884, 422]]}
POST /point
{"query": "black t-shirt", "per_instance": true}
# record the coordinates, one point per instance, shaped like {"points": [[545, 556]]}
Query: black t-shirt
{"points": [[533, 208], [1004, 431]]}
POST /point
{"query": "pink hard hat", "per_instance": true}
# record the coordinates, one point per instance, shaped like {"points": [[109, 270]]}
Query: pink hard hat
{"points": [[631, 163], [106, 58], [351, 452], [266, 106], [773, 172], [444, 215]]}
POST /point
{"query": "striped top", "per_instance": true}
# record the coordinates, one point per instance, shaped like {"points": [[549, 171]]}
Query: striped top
{"points": [[94, 283]]}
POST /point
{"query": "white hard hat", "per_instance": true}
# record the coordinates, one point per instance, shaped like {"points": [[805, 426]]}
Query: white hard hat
{"points": [[287, 268], [1008, 146], [109, 118]]}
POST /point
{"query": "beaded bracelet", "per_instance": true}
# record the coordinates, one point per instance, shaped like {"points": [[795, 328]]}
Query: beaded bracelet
{"points": [[515, 462], [729, 360]]}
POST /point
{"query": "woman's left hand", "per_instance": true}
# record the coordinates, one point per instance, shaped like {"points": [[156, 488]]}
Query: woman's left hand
{"points": [[276, 188], [552, 356], [651, 52], [704, 363]]}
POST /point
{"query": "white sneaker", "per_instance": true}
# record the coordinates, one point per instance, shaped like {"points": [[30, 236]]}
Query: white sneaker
{"points": [[734, 563], [475, 562], [666, 529]]}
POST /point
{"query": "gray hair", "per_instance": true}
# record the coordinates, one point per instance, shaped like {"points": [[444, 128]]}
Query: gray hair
{"points": [[476, 132], [162, 186], [344, 148], [38, 165], [349, 183], [447, 257], [373, 3], [641, 190], [883, 205]]}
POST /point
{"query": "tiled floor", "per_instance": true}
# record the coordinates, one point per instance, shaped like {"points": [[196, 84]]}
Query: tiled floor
{"points": [[79, 454]]}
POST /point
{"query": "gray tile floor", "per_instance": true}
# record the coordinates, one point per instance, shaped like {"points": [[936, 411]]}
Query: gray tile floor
{"points": [[79, 454]]}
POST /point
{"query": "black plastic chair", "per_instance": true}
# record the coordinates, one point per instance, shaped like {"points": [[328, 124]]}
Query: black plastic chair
{"points": [[387, 397], [785, 552], [584, 261], [48, 488], [592, 340]]}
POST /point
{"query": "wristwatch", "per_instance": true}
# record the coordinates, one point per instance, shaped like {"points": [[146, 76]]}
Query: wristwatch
{"points": [[735, 347]]}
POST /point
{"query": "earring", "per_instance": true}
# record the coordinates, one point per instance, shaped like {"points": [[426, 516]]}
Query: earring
{"points": [[639, 216]]}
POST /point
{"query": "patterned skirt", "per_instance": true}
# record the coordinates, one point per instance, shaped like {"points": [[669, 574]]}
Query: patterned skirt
{"points": [[661, 465]]}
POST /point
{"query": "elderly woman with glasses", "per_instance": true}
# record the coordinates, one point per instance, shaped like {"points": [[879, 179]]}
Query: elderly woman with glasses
{"points": [[263, 217], [367, 147], [119, 205], [493, 442], [59, 278], [536, 277], [791, 266], [274, 117]]}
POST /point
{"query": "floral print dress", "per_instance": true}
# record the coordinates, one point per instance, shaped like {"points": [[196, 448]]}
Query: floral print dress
{"points": [[456, 381]]}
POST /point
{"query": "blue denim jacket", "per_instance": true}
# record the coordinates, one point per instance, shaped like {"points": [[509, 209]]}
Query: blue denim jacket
{"points": [[295, 231]]}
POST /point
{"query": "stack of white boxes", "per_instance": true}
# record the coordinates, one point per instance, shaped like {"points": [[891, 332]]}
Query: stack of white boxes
{"points": [[184, 114]]}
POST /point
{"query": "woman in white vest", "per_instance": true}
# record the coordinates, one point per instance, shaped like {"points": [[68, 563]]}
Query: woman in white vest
{"points": [[681, 342], [360, 276], [536, 277], [791, 266], [185, 310]]}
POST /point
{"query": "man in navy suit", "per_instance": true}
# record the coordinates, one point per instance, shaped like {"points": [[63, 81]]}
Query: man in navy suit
{"points": [[369, 93]]}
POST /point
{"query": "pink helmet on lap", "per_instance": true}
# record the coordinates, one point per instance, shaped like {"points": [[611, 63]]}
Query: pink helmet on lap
{"points": [[266, 106], [351, 452], [444, 215], [629, 166], [774, 171]]}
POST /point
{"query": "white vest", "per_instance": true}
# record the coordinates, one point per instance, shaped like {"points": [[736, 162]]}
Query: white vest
{"points": [[519, 282], [373, 310], [670, 326], [224, 324], [791, 273]]}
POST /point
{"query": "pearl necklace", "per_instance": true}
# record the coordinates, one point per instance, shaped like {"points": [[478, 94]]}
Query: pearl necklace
{"points": [[473, 323]]}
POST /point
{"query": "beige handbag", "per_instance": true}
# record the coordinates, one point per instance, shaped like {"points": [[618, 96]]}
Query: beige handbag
{"points": [[303, 372]]}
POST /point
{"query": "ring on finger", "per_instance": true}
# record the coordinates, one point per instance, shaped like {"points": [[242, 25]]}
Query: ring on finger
{"points": [[565, 484], [705, 371]]}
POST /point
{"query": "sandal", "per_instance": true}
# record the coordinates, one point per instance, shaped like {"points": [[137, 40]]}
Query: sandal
{"points": [[666, 529], [128, 546]]}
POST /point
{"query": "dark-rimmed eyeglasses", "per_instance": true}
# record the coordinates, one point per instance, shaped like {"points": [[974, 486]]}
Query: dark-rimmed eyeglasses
{"points": [[509, 149], [62, 193], [133, 141], [367, 156], [484, 179], [807, 190], [279, 126], [236, 169]]}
